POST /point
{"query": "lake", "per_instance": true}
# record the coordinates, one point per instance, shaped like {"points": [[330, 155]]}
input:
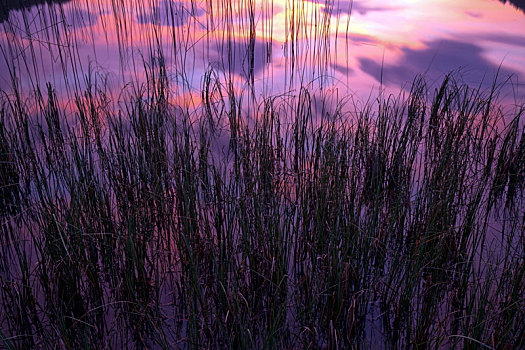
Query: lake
{"points": [[262, 174], [274, 47]]}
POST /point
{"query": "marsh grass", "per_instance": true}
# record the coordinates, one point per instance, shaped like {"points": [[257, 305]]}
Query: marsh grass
{"points": [[297, 220], [131, 228]]}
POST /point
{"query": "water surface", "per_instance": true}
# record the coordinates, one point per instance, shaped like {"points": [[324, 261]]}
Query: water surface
{"points": [[272, 47], [352, 204]]}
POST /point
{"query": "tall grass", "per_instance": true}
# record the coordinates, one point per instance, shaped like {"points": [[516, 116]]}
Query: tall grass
{"points": [[229, 220], [155, 226]]}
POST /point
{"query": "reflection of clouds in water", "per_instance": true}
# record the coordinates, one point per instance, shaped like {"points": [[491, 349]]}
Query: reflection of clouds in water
{"points": [[499, 38], [237, 58], [474, 14], [80, 18], [343, 69], [357, 39], [170, 13], [346, 7], [438, 58]]}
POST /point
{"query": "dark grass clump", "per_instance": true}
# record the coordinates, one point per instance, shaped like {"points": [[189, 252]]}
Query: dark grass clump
{"points": [[143, 224], [9, 179]]}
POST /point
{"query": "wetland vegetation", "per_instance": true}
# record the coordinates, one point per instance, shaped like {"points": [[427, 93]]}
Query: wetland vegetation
{"points": [[304, 219]]}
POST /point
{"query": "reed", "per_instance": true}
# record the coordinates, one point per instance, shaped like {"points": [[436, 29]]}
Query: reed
{"points": [[237, 221]]}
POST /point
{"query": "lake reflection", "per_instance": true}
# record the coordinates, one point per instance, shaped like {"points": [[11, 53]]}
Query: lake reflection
{"points": [[273, 47], [215, 174]]}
